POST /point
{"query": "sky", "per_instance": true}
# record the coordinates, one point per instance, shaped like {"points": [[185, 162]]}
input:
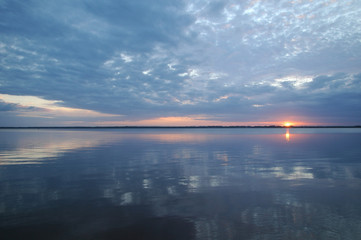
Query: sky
{"points": [[179, 63]]}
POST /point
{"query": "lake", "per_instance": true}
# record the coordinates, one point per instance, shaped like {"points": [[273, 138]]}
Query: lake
{"points": [[180, 183]]}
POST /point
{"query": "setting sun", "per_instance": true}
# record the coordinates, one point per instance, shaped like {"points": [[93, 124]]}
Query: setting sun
{"points": [[287, 124]]}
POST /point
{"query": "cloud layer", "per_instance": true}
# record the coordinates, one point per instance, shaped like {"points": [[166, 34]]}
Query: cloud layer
{"points": [[217, 61]]}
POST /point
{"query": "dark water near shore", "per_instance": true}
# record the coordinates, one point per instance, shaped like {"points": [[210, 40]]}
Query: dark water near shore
{"points": [[180, 184]]}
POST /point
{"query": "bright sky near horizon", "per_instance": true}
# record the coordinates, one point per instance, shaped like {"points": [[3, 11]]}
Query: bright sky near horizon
{"points": [[186, 62]]}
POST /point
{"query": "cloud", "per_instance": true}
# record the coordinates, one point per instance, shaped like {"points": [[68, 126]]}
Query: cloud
{"points": [[5, 107], [31, 106], [228, 60]]}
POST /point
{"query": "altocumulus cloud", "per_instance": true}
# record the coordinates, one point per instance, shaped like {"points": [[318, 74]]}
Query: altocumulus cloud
{"points": [[203, 62]]}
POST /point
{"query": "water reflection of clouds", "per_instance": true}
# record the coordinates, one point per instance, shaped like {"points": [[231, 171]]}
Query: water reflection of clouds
{"points": [[299, 172], [39, 147], [40, 153], [264, 155], [35, 149], [223, 157], [173, 137], [227, 184]]}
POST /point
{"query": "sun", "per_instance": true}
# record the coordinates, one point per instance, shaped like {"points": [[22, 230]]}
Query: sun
{"points": [[287, 124]]}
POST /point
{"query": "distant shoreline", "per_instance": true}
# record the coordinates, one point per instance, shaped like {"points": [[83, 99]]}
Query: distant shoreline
{"points": [[130, 127]]}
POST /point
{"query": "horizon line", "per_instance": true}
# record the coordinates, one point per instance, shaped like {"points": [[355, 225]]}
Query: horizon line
{"points": [[203, 126]]}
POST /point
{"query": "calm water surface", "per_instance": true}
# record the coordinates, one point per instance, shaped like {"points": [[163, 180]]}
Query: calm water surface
{"points": [[180, 184]]}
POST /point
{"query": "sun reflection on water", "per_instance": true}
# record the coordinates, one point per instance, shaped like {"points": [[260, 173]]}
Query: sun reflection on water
{"points": [[287, 135]]}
